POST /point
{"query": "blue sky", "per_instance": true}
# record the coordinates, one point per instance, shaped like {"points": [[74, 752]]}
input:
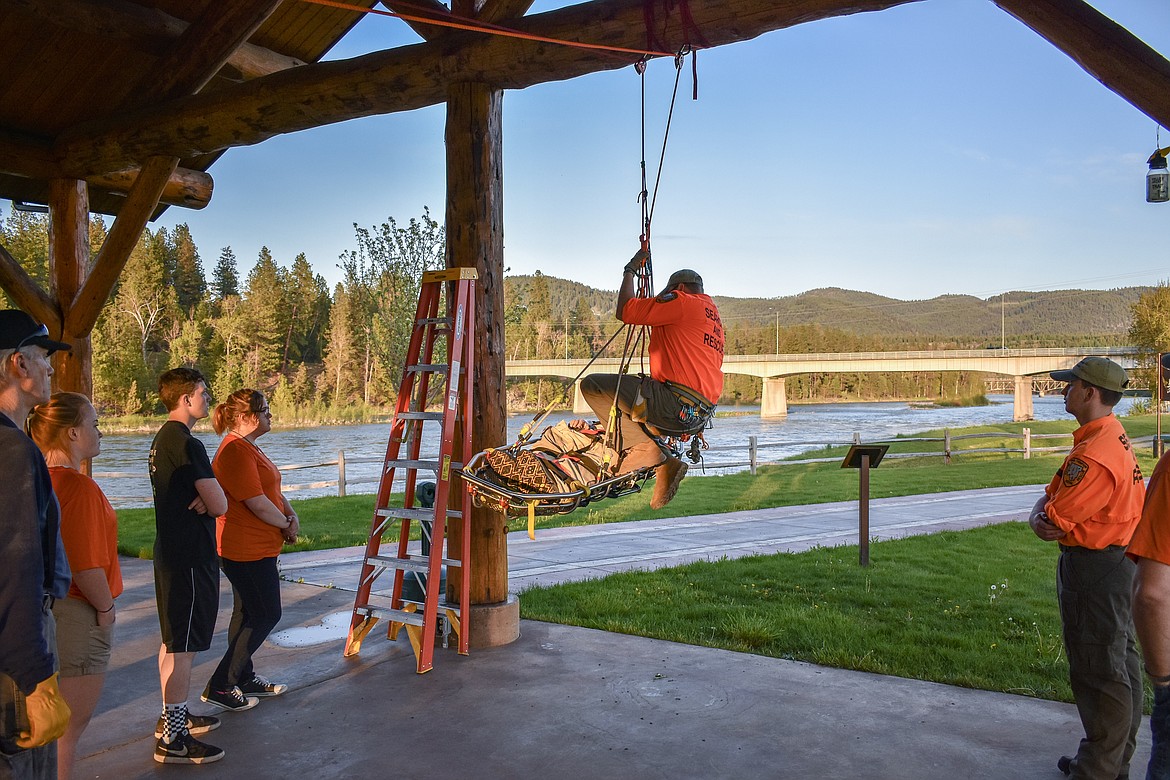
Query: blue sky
{"points": [[938, 147]]}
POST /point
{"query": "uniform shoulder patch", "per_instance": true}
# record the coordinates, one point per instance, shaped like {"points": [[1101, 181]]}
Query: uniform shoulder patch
{"points": [[1074, 471], [667, 297]]}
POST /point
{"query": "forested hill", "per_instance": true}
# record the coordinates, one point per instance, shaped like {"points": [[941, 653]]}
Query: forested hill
{"points": [[1038, 318]]}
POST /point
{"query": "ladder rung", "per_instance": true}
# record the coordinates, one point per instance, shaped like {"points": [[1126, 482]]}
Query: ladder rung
{"points": [[420, 415], [399, 615], [415, 514], [433, 321], [419, 563], [406, 564], [416, 617], [434, 368], [430, 465]]}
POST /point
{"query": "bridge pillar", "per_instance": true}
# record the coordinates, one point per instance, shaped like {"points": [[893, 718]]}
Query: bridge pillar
{"points": [[775, 401], [1022, 409], [579, 405]]}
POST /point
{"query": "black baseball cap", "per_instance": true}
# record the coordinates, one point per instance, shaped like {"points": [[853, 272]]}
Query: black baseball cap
{"points": [[18, 329]]}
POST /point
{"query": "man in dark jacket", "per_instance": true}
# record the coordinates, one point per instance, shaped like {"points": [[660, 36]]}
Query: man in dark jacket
{"points": [[35, 573]]}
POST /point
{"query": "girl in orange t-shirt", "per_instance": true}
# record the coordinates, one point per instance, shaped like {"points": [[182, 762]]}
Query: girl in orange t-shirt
{"points": [[258, 522], [65, 428]]}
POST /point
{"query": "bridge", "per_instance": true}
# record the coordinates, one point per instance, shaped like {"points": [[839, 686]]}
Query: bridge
{"points": [[1018, 364]]}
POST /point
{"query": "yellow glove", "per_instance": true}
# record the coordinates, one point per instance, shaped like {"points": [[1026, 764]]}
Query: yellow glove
{"points": [[48, 714]]}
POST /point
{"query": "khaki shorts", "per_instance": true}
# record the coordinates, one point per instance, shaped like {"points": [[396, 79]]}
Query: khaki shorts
{"points": [[83, 647]]}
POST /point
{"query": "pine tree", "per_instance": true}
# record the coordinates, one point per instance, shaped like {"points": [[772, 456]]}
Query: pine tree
{"points": [[225, 279]]}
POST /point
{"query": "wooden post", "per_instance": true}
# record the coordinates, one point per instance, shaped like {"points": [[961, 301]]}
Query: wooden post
{"points": [[68, 267], [1027, 443], [863, 512], [947, 446], [752, 454], [341, 473], [475, 239]]}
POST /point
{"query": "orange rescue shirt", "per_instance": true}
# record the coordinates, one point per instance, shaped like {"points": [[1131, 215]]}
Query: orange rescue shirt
{"points": [[686, 340], [1097, 494], [1152, 538], [245, 472], [89, 528]]}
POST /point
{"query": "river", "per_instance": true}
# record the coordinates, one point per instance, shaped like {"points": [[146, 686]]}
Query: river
{"points": [[807, 426]]}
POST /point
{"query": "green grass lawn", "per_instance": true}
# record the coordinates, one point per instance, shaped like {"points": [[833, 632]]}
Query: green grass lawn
{"points": [[972, 608]]}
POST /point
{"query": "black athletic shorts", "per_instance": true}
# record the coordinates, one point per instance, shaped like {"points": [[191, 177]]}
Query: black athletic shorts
{"points": [[188, 600]]}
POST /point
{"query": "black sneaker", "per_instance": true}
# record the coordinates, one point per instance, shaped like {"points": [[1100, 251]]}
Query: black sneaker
{"points": [[196, 724], [186, 750], [259, 686], [231, 699]]}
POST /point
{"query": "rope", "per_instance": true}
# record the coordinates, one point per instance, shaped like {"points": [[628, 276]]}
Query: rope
{"points": [[449, 20]]}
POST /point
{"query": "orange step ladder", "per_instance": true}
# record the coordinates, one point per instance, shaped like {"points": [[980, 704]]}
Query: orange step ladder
{"points": [[421, 619]]}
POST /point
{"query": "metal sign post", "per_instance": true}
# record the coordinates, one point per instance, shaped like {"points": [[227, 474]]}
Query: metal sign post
{"points": [[1159, 395], [863, 457]]}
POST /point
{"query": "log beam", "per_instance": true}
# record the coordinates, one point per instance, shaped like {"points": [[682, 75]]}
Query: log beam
{"points": [[428, 32], [1104, 49], [203, 48], [26, 293], [146, 29], [411, 77], [120, 241]]}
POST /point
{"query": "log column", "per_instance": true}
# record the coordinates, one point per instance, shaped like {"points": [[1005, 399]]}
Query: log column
{"points": [[68, 268], [475, 239]]}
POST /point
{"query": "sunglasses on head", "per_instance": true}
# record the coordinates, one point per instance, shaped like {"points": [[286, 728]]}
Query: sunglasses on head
{"points": [[40, 333]]}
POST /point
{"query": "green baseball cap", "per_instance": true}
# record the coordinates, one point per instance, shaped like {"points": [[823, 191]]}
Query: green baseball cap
{"points": [[682, 276], [1098, 371]]}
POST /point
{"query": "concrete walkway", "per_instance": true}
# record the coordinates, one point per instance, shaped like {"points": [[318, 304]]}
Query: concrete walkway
{"points": [[566, 700]]}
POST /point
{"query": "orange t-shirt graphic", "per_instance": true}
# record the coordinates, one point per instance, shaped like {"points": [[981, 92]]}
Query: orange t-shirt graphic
{"points": [[686, 340]]}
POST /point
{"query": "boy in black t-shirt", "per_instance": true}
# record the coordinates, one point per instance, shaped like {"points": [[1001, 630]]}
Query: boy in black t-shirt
{"points": [[187, 499]]}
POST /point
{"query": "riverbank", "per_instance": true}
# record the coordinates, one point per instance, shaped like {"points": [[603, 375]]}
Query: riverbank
{"points": [[330, 522]]}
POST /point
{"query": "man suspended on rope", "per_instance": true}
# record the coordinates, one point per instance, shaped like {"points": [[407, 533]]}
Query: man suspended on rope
{"points": [[686, 375]]}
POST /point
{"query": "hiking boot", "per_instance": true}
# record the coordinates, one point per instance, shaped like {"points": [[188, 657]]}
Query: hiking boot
{"points": [[259, 686], [231, 699], [666, 481], [196, 724], [186, 750]]}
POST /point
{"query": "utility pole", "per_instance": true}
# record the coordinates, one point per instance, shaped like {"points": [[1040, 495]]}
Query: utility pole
{"points": [[777, 352], [1003, 320]]}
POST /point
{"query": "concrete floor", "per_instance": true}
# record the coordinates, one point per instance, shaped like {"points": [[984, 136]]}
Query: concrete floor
{"points": [[565, 700]]}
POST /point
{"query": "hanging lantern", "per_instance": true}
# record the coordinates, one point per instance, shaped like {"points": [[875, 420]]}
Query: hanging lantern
{"points": [[1158, 179]]}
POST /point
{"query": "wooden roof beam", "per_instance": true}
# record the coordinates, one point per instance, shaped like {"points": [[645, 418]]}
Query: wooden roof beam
{"points": [[428, 32], [115, 252], [26, 293], [203, 48], [412, 77], [502, 11], [146, 29], [1104, 49]]}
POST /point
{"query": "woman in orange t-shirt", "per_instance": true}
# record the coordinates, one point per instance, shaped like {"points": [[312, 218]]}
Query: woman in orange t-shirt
{"points": [[258, 522], [65, 428]]}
